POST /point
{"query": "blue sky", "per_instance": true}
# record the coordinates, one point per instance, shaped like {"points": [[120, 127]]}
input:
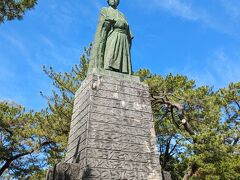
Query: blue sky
{"points": [[197, 38]]}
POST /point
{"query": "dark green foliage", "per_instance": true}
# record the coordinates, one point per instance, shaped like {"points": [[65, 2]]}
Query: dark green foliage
{"points": [[196, 139], [14, 9], [20, 143], [60, 105], [197, 128], [39, 138]]}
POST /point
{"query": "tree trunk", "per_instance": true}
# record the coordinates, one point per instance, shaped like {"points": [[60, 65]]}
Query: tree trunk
{"points": [[5, 166], [166, 154], [190, 171]]}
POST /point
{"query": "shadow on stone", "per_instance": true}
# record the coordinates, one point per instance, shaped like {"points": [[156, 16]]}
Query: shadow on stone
{"points": [[166, 175], [87, 173], [76, 156], [64, 171]]}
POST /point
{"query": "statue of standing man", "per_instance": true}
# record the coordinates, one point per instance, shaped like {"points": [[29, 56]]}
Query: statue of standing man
{"points": [[112, 43]]}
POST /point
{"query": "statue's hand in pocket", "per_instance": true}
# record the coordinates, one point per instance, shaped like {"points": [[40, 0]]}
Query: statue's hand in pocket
{"points": [[110, 19]]}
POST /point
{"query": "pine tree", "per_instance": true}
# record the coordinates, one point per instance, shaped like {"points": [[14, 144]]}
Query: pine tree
{"points": [[60, 105], [21, 143], [197, 128], [12, 9]]}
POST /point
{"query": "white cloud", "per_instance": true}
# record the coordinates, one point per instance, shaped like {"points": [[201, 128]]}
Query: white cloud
{"points": [[47, 41], [178, 8], [225, 18], [231, 7], [226, 67], [219, 70], [20, 46]]}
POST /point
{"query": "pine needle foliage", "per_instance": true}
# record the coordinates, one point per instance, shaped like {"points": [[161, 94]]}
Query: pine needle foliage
{"points": [[21, 143], [197, 128], [60, 105], [14, 9]]}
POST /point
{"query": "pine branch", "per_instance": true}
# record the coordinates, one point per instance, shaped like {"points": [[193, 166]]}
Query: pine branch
{"points": [[179, 107], [7, 130], [238, 105], [10, 160]]}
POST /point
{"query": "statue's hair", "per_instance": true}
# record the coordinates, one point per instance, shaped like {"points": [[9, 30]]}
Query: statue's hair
{"points": [[118, 1]]}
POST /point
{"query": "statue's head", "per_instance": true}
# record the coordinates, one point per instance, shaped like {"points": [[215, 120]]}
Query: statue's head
{"points": [[113, 3]]}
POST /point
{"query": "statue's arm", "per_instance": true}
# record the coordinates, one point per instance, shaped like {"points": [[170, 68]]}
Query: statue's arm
{"points": [[130, 36], [105, 23], [98, 49], [108, 21]]}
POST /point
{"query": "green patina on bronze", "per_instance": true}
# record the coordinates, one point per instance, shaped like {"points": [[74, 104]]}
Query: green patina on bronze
{"points": [[112, 43]]}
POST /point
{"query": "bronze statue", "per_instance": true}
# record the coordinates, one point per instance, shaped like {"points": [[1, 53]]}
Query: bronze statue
{"points": [[112, 43]]}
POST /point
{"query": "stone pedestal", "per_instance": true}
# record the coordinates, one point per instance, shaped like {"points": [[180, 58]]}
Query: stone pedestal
{"points": [[112, 134]]}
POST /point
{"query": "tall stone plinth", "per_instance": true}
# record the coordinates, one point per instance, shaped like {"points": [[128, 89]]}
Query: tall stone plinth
{"points": [[112, 132]]}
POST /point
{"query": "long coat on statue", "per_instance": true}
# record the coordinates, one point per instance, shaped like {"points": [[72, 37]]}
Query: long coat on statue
{"points": [[112, 43]]}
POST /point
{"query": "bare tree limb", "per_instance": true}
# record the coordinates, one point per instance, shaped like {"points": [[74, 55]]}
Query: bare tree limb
{"points": [[180, 108], [187, 127], [174, 147], [238, 105], [236, 140], [7, 130]]}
